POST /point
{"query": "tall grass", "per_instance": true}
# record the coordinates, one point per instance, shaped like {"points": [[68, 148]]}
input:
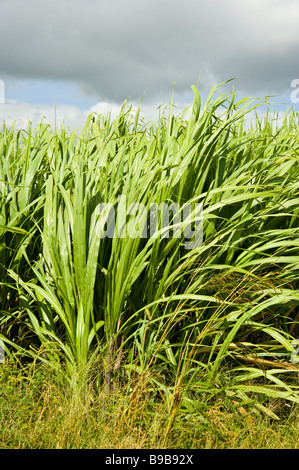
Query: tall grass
{"points": [[182, 318]]}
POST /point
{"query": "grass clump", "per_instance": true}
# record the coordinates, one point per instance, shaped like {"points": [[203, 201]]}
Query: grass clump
{"points": [[175, 323]]}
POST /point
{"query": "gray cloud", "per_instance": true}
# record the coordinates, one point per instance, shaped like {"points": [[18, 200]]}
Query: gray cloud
{"points": [[117, 49]]}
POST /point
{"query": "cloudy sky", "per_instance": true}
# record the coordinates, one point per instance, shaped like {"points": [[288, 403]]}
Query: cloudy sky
{"points": [[91, 55]]}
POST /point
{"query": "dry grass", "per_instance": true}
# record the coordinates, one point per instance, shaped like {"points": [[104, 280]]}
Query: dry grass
{"points": [[40, 411]]}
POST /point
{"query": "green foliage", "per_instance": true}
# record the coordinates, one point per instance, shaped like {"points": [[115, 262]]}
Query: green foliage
{"points": [[41, 410], [152, 306]]}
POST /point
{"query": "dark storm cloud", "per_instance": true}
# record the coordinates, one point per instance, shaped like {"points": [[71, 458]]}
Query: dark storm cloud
{"points": [[117, 49]]}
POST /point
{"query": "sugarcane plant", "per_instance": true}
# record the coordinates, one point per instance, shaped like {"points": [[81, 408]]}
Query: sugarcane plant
{"points": [[76, 282]]}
